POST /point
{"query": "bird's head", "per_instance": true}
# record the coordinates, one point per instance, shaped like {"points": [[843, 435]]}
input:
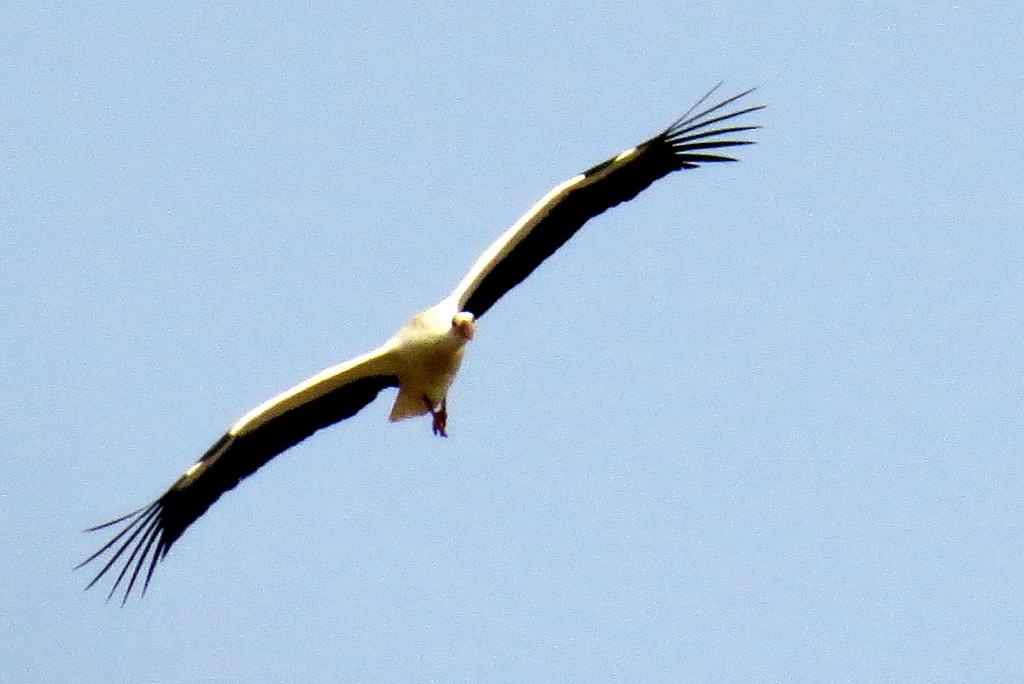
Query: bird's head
{"points": [[463, 326]]}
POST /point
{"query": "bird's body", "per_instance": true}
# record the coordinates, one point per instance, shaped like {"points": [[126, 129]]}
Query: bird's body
{"points": [[428, 352], [423, 358]]}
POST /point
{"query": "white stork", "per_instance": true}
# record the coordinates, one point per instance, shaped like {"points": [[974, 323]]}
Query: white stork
{"points": [[422, 359]]}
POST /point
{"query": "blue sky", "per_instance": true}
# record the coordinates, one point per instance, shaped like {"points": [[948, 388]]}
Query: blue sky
{"points": [[763, 423]]}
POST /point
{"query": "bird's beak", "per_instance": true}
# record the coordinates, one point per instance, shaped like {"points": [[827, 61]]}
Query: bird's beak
{"points": [[464, 326]]}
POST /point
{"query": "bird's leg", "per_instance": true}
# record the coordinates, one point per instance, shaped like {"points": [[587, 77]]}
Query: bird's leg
{"points": [[440, 415]]}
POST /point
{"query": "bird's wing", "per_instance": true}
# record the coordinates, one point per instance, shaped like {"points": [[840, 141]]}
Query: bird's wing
{"points": [[689, 142], [332, 395]]}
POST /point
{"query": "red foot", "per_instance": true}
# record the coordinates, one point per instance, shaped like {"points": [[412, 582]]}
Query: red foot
{"points": [[440, 415]]}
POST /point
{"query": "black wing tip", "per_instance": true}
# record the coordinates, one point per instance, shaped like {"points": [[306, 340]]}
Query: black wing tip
{"points": [[691, 136], [695, 113], [142, 537], [109, 523]]}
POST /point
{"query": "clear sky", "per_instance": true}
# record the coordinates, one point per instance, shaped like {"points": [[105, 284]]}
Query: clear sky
{"points": [[763, 423]]}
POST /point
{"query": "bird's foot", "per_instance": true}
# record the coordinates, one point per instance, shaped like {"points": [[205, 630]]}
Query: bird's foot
{"points": [[440, 416]]}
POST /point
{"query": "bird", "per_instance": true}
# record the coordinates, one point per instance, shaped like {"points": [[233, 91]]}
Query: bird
{"points": [[423, 358]]}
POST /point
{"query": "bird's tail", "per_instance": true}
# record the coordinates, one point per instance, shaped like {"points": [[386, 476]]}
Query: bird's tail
{"points": [[407, 405]]}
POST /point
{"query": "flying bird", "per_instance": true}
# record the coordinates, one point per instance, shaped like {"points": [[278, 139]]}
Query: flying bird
{"points": [[423, 358]]}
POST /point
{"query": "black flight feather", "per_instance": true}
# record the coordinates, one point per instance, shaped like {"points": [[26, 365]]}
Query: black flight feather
{"points": [[149, 532], [683, 145]]}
